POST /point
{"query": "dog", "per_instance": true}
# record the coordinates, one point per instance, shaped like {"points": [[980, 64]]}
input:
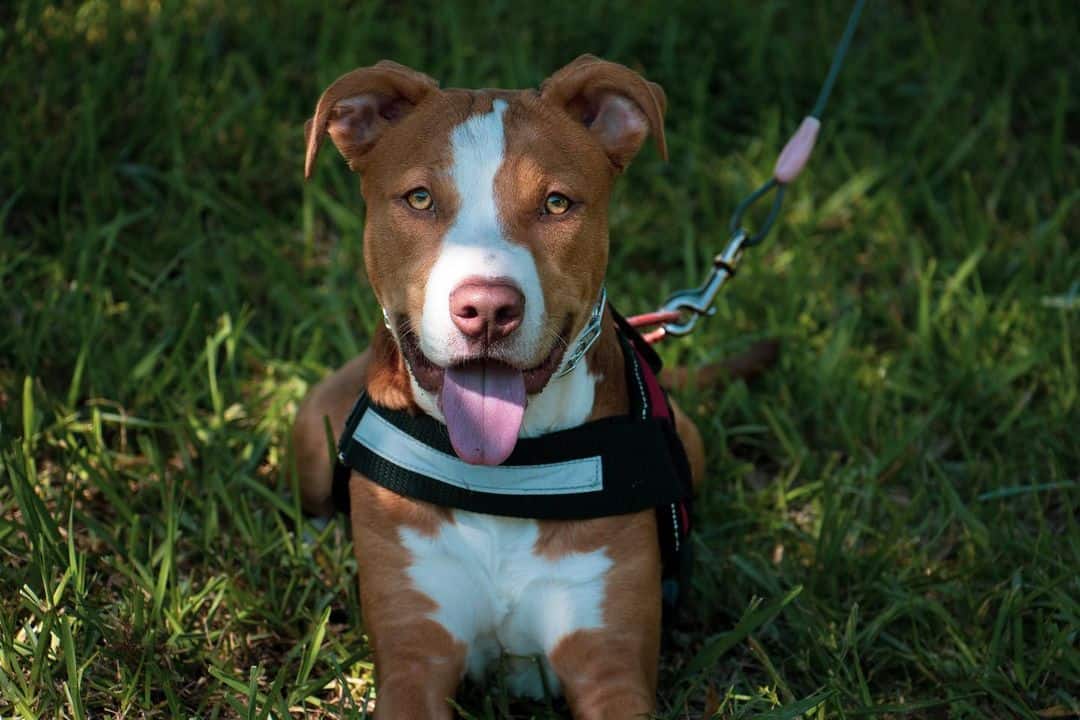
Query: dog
{"points": [[486, 244]]}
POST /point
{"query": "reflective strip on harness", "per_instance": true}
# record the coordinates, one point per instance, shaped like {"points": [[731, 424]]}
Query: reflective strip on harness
{"points": [[611, 466], [560, 478]]}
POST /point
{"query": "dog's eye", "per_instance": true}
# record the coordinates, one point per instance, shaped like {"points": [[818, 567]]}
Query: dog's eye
{"points": [[419, 199], [556, 204]]}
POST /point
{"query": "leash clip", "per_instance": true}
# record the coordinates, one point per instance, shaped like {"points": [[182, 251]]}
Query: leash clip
{"points": [[692, 304]]}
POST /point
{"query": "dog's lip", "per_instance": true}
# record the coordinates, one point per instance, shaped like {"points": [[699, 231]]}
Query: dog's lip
{"points": [[430, 375]]}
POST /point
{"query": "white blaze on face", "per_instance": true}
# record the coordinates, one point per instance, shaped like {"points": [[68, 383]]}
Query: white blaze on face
{"points": [[476, 246]]}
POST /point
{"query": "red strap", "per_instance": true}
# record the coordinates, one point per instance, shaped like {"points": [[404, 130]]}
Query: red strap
{"points": [[654, 318], [657, 398], [684, 516]]}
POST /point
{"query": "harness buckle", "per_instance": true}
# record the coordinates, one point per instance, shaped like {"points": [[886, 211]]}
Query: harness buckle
{"points": [[694, 303]]}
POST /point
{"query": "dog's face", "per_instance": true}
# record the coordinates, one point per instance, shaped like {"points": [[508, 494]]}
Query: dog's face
{"points": [[486, 235]]}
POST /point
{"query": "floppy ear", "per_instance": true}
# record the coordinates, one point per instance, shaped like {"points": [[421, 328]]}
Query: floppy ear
{"points": [[617, 105], [359, 106]]}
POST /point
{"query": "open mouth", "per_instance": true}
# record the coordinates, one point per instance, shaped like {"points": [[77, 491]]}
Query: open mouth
{"points": [[431, 376], [482, 397]]}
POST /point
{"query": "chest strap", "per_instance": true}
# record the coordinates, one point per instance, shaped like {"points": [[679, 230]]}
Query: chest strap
{"points": [[611, 466]]}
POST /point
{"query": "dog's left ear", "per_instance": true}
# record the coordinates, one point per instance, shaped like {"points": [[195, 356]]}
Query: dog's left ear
{"points": [[616, 104]]}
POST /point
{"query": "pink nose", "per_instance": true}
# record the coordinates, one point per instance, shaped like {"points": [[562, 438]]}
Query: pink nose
{"points": [[487, 310]]}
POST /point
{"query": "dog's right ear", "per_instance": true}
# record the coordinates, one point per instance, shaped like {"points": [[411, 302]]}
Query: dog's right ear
{"points": [[359, 106]]}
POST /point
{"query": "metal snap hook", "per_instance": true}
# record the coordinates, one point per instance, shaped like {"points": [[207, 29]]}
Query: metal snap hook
{"points": [[699, 301]]}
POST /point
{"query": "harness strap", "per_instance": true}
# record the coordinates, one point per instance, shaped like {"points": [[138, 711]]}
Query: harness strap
{"points": [[672, 519], [606, 467], [612, 466]]}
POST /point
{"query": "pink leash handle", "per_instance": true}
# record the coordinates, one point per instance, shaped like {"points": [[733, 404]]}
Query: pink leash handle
{"points": [[796, 153]]}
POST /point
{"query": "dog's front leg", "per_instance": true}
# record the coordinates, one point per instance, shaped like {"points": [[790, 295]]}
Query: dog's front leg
{"points": [[418, 663], [413, 686], [604, 675], [610, 671]]}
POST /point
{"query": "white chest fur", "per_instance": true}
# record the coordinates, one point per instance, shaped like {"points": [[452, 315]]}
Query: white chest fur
{"points": [[496, 595]]}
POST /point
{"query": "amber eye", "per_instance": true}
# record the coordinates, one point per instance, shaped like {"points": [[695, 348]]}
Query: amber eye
{"points": [[419, 199], [556, 204]]}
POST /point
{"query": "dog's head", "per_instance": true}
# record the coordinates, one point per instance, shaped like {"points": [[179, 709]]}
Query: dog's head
{"points": [[486, 236]]}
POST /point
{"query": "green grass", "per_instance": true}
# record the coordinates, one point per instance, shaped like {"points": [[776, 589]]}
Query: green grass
{"points": [[889, 527]]}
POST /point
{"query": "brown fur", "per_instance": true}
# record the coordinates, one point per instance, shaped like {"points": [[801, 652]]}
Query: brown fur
{"points": [[573, 136]]}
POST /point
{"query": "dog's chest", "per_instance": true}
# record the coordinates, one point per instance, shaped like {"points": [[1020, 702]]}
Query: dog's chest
{"points": [[499, 597]]}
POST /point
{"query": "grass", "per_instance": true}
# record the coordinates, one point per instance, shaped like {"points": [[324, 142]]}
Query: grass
{"points": [[889, 528]]}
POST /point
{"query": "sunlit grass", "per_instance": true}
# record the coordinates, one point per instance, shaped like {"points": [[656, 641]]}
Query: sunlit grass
{"points": [[889, 524]]}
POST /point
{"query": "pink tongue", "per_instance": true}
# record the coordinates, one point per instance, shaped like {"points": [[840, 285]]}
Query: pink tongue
{"points": [[483, 403]]}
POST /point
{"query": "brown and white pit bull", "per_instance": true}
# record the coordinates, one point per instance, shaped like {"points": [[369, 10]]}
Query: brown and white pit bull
{"points": [[486, 243]]}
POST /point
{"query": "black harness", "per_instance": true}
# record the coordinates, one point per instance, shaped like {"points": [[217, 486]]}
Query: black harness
{"points": [[622, 464]]}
